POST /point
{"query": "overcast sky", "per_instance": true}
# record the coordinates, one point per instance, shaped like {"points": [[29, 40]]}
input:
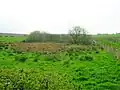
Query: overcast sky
{"points": [[58, 16]]}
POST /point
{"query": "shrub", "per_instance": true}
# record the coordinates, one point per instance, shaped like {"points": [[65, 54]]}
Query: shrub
{"points": [[97, 52], [1, 48], [6, 47], [86, 58], [82, 58], [11, 54], [20, 58], [36, 59], [52, 58], [66, 62], [23, 41]]}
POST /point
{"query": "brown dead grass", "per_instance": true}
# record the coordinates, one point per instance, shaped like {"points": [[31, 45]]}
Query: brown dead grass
{"points": [[37, 46]]}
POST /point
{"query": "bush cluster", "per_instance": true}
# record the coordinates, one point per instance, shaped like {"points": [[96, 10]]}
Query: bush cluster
{"points": [[86, 58], [20, 58], [32, 80]]}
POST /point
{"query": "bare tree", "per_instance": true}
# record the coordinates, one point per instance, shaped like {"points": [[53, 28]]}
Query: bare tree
{"points": [[78, 35]]}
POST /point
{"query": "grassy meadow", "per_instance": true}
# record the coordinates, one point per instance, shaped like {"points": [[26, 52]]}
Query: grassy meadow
{"points": [[55, 66], [12, 38]]}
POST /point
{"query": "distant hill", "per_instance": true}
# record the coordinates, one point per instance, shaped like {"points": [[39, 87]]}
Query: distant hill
{"points": [[12, 34]]}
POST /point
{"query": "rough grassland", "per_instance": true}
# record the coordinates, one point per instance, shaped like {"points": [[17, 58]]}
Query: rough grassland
{"points": [[76, 68]]}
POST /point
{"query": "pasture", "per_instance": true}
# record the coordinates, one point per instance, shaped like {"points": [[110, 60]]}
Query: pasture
{"points": [[56, 66], [12, 38]]}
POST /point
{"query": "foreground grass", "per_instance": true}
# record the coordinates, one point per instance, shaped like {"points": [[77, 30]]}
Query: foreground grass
{"points": [[63, 71]]}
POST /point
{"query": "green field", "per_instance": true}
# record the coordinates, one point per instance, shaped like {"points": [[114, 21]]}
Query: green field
{"points": [[12, 39], [76, 68]]}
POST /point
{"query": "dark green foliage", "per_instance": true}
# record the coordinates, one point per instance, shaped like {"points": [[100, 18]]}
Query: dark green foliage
{"points": [[81, 78], [1, 48], [20, 58], [6, 47], [35, 60], [66, 62], [23, 41], [109, 86], [97, 52], [11, 54], [86, 58], [89, 57]]}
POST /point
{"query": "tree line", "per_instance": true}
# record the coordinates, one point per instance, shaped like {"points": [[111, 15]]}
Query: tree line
{"points": [[76, 35]]}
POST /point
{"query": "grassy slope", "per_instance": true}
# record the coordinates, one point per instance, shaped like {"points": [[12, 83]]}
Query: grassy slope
{"points": [[102, 73]]}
